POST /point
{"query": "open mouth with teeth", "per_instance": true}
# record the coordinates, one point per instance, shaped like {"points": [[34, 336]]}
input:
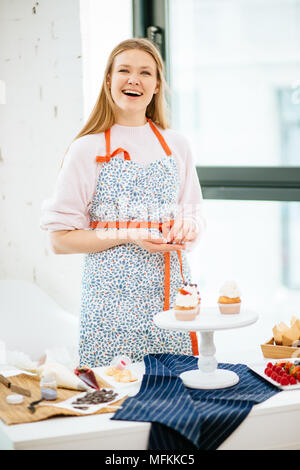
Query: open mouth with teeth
{"points": [[134, 94]]}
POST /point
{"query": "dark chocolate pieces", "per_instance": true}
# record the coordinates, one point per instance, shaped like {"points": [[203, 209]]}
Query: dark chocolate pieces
{"points": [[95, 398]]}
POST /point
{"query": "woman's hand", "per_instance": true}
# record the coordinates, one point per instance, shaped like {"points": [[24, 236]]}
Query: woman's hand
{"points": [[150, 242], [183, 230]]}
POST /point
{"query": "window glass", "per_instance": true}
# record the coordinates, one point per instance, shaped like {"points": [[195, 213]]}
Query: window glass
{"points": [[257, 245], [103, 26], [235, 80]]}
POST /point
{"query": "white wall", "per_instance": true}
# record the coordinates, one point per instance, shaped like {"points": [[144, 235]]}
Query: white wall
{"points": [[41, 66], [52, 57]]}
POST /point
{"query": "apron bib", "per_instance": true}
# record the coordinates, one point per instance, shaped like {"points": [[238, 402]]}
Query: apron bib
{"points": [[125, 286]]}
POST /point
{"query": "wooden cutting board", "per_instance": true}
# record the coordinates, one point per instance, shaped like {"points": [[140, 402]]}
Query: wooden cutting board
{"points": [[16, 414]]}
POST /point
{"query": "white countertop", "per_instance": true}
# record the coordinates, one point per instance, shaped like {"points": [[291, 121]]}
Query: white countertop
{"points": [[273, 424]]}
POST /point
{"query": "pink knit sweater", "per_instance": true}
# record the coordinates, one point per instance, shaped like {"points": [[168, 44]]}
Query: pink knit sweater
{"points": [[68, 209]]}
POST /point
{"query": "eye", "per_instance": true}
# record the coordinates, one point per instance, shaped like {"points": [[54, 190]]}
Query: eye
{"points": [[123, 70], [147, 73]]}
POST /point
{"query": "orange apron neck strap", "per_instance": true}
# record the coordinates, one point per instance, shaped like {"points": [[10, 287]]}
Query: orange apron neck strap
{"points": [[108, 155], [160, 138], [119, 150], [107, 141]]}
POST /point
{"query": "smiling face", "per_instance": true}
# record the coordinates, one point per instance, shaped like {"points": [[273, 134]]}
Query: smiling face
{"points": [[132, 82]]}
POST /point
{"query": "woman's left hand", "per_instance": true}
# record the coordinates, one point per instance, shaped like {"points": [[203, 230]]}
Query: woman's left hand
{"points": [[183, 230]]}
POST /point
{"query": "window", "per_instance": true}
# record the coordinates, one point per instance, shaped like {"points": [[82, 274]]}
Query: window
{"points": [[233, 67], [101, 30], [289, 126], [257, 244], [229, 59]]}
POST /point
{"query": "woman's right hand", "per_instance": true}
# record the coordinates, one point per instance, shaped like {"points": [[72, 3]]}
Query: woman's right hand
{"points": [[144, 239]]}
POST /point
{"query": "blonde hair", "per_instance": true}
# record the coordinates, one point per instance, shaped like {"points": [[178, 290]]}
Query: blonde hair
{"points": [[102, 116]]}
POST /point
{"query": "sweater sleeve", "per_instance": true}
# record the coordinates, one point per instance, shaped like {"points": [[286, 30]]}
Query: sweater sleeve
{"points": [[68, 208]]}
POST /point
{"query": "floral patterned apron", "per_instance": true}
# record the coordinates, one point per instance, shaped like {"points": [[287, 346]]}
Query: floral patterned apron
{"points": [[125, 286]]}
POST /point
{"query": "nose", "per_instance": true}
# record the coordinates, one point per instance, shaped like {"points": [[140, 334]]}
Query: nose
{"points": [[133, 79]]}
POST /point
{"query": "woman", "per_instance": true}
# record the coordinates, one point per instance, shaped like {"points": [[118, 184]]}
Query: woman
{"points": [[128, 196]]}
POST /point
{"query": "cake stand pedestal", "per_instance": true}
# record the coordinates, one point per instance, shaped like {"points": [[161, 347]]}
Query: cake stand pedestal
{"points": [[207, 376]]}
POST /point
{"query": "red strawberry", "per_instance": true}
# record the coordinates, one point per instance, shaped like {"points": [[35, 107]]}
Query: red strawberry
{"points": [[293, 381], [268, 372], [273, 375], [269, 365], [184, 292], [284, 381]]}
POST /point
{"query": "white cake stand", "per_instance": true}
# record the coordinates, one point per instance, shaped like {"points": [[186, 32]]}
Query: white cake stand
{"points": [[208, 376]]}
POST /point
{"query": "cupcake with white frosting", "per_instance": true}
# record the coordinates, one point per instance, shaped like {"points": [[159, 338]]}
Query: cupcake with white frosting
{"points": [[229, 298], [187, 302]]}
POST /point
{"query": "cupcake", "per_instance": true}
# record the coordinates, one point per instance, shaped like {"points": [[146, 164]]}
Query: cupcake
{"points": [[187, 302], [229, 301]]}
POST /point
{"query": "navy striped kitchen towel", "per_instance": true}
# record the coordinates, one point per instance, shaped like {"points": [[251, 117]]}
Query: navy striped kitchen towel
{"points": [[190, 419]]}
